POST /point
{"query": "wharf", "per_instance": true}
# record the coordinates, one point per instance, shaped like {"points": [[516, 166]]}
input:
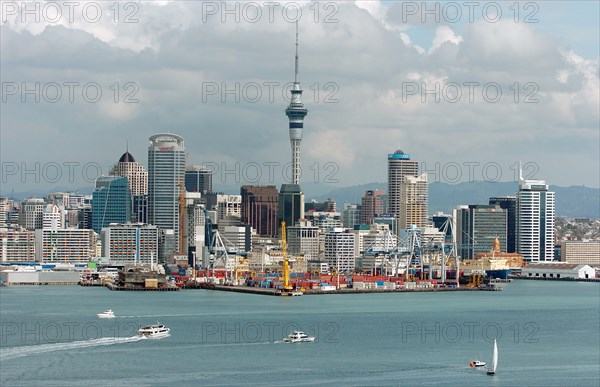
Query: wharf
{"points": [[275, 292], [112, 286], [417, 290], [91, 283], [246, 289], [556, 279], [38, 283]]}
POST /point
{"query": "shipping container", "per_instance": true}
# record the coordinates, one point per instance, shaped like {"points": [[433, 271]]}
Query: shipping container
{"points": [[151, 283]]}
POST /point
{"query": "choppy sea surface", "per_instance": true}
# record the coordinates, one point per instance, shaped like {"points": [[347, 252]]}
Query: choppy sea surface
{"points": [[548, 334]]}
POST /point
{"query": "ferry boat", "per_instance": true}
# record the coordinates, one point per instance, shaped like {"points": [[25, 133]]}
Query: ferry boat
{"points": [[155, 331], [298, 337], [106, 314]]}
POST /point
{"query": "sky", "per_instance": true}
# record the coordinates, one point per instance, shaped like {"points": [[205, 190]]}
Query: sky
{"points": [[469, 89]]}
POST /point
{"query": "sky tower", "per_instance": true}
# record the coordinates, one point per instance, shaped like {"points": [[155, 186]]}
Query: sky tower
{"points": [[296, 113], [291, 198]]}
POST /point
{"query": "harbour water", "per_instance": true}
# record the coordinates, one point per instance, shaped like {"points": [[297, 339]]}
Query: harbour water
{"points": [[548, 335]]}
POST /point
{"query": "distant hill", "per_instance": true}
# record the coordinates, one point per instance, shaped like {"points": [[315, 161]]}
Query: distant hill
{"points": [[574, 201]]}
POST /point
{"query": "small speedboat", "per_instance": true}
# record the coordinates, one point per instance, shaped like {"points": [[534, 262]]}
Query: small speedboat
{"points": [[298, 337], [477, 363], [155, 331], [106, 314]]}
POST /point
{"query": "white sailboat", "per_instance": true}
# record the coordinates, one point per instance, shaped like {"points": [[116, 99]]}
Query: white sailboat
{"points": [[492, 371]]}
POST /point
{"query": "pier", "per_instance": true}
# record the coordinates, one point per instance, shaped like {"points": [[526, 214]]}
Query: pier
{"points": [[276, 292], [556, 279], [112, 286]]}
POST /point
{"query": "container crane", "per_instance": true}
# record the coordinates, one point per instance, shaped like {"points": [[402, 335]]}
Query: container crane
{"points": [[286, 266]]}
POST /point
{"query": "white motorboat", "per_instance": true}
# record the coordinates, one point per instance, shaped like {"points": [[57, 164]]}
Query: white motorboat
{"points": [[106, 314], [155, 331], [492, 371], [477, 363], [298, 337]]}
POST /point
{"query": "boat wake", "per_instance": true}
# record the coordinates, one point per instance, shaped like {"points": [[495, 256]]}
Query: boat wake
{"points": [[236, 344], [15, 352]]}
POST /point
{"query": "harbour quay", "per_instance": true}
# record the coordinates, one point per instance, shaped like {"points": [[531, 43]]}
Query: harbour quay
{"points": [[347, 290]]}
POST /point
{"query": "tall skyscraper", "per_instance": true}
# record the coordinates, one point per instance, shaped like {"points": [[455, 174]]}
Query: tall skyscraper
{"points": [[478, 226], [166, 173], [296, 113], [371, 206], [291, 204], [111, 202], [535, 221], [407, 191], [509, 204], [259, 208], [137, 177], [198, 179], [135, 173]]}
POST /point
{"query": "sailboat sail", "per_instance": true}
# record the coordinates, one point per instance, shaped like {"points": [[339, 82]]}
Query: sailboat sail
{"points": [[495, 357], [492, 371]]}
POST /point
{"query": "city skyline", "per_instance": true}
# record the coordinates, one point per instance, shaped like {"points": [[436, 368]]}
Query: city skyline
{"points": [[558, 135]]}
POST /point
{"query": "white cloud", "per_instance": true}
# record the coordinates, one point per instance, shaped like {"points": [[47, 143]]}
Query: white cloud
{"points": [[171, 53], [444, 34]]}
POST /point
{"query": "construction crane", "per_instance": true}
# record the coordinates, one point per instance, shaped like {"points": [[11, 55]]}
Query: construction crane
{"points": [[182, 241], [286, 264]]}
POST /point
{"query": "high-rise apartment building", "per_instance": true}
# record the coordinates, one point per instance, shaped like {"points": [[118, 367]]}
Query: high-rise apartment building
{"points": [[65, 245], [339, 250], [129, 244], [407, 191], [535, 221], [371, 206], [17, 245]]}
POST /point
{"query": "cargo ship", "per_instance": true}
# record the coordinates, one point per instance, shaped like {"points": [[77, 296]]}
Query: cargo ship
{"points": [[500, 273]]}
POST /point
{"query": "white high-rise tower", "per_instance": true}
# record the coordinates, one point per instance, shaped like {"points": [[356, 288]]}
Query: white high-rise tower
{"points": [[296, 113], [535, 220]]}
